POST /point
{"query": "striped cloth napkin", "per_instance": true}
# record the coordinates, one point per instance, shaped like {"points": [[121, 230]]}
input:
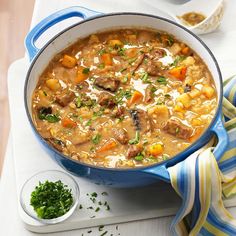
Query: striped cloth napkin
{"points": [[202, 183]]}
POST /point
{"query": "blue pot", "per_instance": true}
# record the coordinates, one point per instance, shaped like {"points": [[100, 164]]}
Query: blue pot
{"points": [[92, 23]]}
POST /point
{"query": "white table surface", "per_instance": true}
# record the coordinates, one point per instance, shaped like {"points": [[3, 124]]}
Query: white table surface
{"points": [[222, 44]]}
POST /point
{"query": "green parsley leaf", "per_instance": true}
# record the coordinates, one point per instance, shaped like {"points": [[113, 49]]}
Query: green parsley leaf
{"points": [[52, 118], [162, 80], [139, 158], [86, 71], [96, 138], [136, 139], [145, 78]]}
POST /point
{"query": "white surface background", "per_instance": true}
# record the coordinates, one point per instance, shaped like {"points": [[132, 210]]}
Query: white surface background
{"points": [[223, 46]]}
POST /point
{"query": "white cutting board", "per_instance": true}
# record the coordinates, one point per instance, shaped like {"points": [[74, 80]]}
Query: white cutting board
{"points": [[29, 158]]}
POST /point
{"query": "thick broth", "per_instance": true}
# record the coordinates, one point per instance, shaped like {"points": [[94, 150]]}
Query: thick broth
{"points": [[124, 98]]}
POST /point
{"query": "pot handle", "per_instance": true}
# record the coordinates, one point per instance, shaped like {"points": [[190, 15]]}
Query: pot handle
{"points": [[159, 172], [219, 130], [51, 20]]}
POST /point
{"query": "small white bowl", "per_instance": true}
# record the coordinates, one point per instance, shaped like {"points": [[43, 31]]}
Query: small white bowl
{"points": [[53, 176]]}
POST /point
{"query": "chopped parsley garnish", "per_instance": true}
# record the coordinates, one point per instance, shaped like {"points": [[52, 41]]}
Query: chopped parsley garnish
{"points": [[101, 227], [45, 94], [80, 206], [96, 138], [84, 101], [139, 158], [102, 51], [145, 78], [94, 194], [51, 118], [132, 60], [121, 51], [104, 193], [88, 123], [136, 139], [86, 70], [124, 80], [97, 209], [104, 233], [162, 80], [51, 199], [43, 111], [177, 60], [121, 94], [101, 66], [123, 69]]}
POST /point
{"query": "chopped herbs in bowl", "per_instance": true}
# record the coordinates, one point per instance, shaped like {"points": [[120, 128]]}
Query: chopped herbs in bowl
{"points": [[50, 196], [51, 199]]}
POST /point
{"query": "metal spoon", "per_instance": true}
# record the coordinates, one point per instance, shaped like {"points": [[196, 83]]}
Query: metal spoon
{"points": [[211, 9]]}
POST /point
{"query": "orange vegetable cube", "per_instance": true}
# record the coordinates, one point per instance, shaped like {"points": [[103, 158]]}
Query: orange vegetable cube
{"points": [[178, 72], [155, 149], [68, 123], [69, 61], [136, 98], [107, 59], [82, 74], [185, 50], [110, 144]]}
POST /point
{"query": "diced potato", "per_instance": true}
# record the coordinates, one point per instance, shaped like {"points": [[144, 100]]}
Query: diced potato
{"points": [[155, 149], [53, 84], [69, 61], [115, 42], [208, 91], [180, 89], [196, 122], [185, 100], [194, 93], [160, 110], [178, 108], [175, 49], [188, 61]]}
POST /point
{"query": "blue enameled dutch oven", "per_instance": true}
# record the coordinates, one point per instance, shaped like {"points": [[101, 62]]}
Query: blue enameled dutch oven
{"points": [[94, 22]]}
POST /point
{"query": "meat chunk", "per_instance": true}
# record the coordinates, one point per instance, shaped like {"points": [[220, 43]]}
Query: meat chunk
{"points": [[119, 112], [81, 137], [157, 53], [141, 120], [133, 151], [65, 98], [137, 63], [149, 92], [154, 68], [106, 99], [107, 83], [121, 135], [178, 129], [56, 143]]}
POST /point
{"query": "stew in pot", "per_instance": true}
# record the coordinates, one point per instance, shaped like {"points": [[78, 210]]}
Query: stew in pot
{"points": [[124, 98]]}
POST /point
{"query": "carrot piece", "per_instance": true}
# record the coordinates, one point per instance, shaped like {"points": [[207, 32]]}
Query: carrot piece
{"points": [[155, 149], [107, 59], [110, 144], [69, 61], [68, 123], [185, 50], [178, 72], [82, 74], [136, 97]]}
